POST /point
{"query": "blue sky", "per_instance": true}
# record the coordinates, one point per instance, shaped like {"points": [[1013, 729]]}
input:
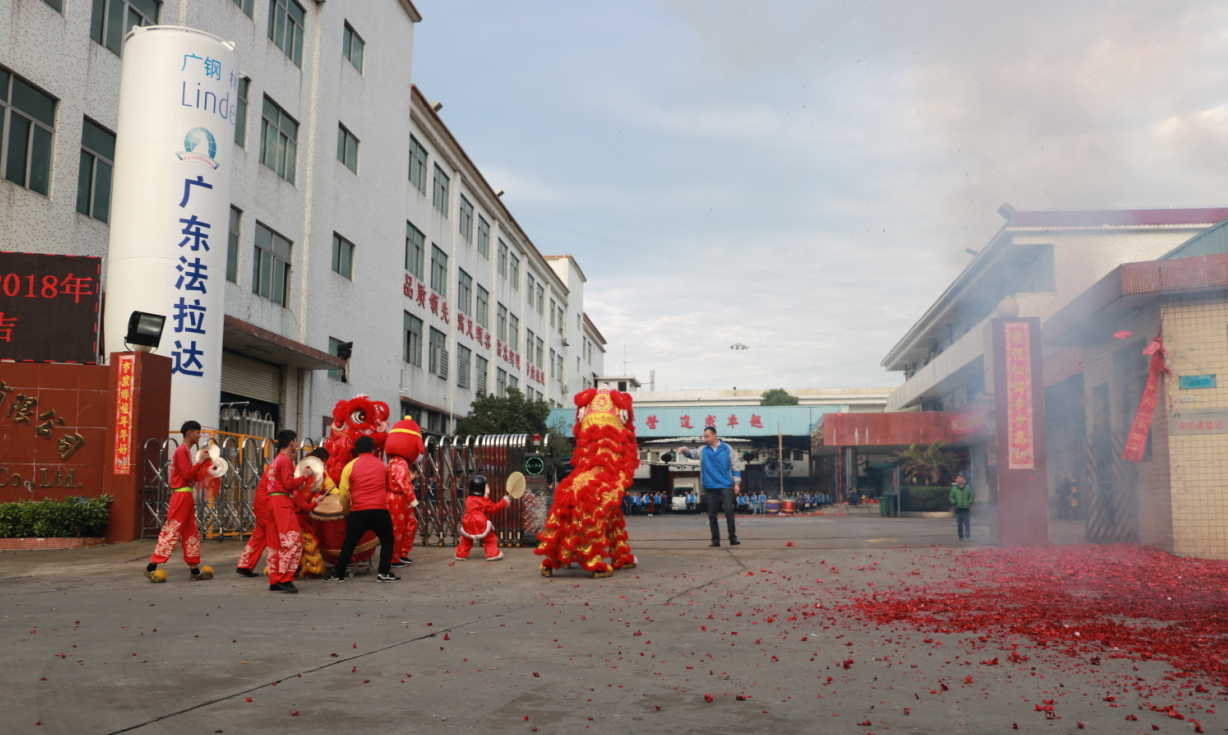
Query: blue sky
{"points": [[803, 177]]}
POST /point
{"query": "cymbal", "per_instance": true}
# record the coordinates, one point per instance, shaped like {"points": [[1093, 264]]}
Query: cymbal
{"points": [[219, 467], [317, 467], [516, 485]]}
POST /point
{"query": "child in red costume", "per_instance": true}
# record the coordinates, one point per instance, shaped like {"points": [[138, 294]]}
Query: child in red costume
{"points": [[403, 448], [181, 515], [476, 525]]}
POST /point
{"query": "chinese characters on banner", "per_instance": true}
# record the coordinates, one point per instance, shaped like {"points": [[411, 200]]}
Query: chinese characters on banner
{"points": [[686, 421], [123, 415], [1136, 441], [1019, 396]]}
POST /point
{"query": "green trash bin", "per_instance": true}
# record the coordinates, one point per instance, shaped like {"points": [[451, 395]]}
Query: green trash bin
{"points": [[886, 505]]}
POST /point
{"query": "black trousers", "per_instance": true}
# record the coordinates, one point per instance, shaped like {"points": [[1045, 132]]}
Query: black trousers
{"points": [[357, 523], [718, 497]]}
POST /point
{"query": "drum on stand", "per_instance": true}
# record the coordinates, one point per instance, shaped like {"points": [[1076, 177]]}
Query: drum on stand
{"points": [[328, 524], [773, 507], [789, 507]]}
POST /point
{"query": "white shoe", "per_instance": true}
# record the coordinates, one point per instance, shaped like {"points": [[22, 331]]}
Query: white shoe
{"points": [[495, 558], [460, 558]]}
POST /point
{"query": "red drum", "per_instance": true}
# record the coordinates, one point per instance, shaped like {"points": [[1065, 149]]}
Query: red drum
{"points": [[789, 507], [328, 524]]}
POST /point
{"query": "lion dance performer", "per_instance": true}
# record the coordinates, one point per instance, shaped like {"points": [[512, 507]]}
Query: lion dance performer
{"points": [[359, 416], [181, 515], [585, 524], [403, 448]]}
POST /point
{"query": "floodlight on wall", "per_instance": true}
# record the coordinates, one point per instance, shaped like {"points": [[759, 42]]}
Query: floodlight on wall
{"points": [[345, 350], [144, 331]]}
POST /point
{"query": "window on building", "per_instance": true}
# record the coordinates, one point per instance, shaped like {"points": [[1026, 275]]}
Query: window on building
{"points": [[541, 295], [417, 164], [502, 264], [271, 266], [462, 366], [347, 148], [247, 6], [439, 195], [500, 382], [57, 4], [530, 289], [245, 85], [286, 18], [466, 219], [28, 117], [439, 353], [513, 331], [439, 271], [352, 47], [513, 383], [343, 256], [334, 345], [541, 348], [481, 310], [528, 344], [480, 365], [413, 340], [553, 356], [111, 19], [483, 237], [514, 271], [501, 323], [94, 173], [464, 292], [553, 309], [415, 250], [278, 140], [232, 245], [562, 319]]}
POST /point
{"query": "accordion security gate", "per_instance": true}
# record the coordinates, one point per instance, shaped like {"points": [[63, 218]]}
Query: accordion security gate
{"points": [[224, 509]]}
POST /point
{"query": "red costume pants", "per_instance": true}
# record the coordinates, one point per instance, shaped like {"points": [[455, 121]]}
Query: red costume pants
{"points": [[404, 525], [180, 526], [255, 545], [490, 541], [283, 538]]}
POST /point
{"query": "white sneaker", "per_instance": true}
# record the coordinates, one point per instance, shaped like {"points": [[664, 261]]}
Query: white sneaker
{"points": [[495, 558], [460, 558]]}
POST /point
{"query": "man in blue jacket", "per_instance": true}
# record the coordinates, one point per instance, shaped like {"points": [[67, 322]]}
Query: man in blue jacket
{"points": [[720, 480]]}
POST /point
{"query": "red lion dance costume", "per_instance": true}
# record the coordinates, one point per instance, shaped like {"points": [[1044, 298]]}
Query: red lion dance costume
{"points": [[351, 419], [586, 523], [404, 447]]}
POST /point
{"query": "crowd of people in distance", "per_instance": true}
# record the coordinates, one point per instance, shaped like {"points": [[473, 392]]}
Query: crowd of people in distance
{"points": [[650, 503]]}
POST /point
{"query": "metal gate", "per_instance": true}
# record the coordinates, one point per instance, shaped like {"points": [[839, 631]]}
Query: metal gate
{"points": [[225, 511], [1112, 512]]}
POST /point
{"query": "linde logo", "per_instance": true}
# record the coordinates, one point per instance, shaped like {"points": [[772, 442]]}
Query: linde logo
{"points": [[203, 139]]}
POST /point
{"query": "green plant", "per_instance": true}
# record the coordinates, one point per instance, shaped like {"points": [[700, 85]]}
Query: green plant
{"points": [[777, 397], [85, 517], [926, 499], [508, 414], [926, 464]]}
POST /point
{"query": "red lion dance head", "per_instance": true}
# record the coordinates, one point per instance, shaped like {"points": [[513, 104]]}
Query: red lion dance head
{"points": [[351, 419]]}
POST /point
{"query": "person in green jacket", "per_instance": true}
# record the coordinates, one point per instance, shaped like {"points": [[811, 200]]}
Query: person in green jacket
{"points": [[961, 498]]}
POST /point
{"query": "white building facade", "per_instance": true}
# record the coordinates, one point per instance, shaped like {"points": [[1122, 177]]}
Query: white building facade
{"points": [[358, 226]]}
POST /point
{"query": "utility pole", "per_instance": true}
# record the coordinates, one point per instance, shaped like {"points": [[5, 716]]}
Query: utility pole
{"points": [[780, 448], [739, 348]]}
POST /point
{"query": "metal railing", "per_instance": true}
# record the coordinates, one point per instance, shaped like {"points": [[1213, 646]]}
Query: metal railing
{"points": [[224, 508]]}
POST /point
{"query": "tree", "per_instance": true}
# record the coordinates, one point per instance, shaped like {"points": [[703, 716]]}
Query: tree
{"points": [[777, 397], [928, 463], [509, 414]]}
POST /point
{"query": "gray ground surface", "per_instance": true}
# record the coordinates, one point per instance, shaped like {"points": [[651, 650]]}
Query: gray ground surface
{"points": [[493, 647]]}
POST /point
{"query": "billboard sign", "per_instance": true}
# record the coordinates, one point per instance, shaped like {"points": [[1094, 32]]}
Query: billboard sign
{"points": [[49, 307]]}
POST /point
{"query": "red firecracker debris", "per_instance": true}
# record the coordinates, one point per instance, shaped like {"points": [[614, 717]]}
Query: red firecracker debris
{"points": [[708, 698]]}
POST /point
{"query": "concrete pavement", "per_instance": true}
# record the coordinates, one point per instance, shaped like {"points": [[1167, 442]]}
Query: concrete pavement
{"points": [[90, 646]]}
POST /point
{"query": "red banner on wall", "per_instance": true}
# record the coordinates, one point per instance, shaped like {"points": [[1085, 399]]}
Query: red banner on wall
{"points": [[1019, 396], [1136, 440], [123, 414]]}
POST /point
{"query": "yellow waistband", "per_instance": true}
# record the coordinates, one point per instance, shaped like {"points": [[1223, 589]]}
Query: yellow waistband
{"points": [[183, 490]]}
